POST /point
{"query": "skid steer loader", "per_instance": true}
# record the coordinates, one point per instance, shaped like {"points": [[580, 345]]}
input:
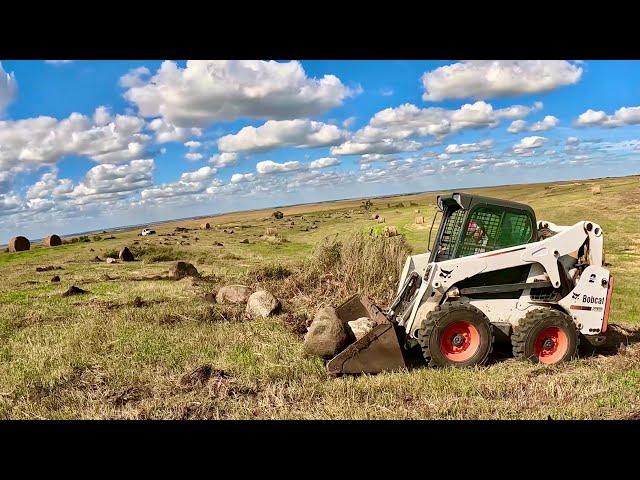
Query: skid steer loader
{"points": [[494, 273]]}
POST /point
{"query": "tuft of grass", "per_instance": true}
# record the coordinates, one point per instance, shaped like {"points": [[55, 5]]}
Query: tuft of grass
{"points": [[156, 253]]}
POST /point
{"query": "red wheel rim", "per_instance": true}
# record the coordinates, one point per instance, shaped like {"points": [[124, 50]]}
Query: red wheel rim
{"points": [[551, 345], [460, 341]]}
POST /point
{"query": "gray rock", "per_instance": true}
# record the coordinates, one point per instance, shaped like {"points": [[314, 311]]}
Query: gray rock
{"points": [[361, 326], [183, 269], [327, 334], [262, 304], [111, 260], [233, 294]]}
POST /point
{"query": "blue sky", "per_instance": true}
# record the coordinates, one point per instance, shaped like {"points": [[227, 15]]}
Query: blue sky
{"points": [[97, 144]]}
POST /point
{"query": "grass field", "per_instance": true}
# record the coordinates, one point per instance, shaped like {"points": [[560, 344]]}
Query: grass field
{"points": [[171, 354]]}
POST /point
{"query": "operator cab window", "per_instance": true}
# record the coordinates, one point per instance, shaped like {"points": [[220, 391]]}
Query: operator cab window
{"points": [[492, 228]]}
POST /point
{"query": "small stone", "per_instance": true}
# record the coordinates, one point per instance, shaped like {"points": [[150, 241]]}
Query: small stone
{"points": [[111, 260], [361, 326]]}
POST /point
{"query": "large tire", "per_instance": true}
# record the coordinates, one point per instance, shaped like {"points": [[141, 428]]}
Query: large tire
{"points": [[455, 334], [546, 336]]}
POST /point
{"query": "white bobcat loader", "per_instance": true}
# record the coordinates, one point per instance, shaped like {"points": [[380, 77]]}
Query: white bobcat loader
{"points": [[494, 273]]}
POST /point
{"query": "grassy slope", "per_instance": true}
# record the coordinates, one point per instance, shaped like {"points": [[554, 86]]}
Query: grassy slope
{"points": [[100, 356]]}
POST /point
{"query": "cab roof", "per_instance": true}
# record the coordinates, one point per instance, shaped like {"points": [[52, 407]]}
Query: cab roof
{"points": [[468, 201]]}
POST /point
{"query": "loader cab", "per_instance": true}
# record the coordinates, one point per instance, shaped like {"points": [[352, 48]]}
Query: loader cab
{"points": [[472, 224]]}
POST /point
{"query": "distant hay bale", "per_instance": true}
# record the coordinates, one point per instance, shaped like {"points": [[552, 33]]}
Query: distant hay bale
{"points": [[278, 214], [52, 241], [380, 220], [19, 244], [417, 210], [390, 231], [419, 219], [596, 190], [271, 232], [205, 226], [374, 216]]}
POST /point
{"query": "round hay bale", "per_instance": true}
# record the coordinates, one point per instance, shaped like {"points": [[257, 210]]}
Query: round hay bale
{"points": [[278, 214], [596, 190], [205, 226], [19, 244], [390, 231], [271, 232], [380, 220], [374, 216], [52, 241], [419, 219]]}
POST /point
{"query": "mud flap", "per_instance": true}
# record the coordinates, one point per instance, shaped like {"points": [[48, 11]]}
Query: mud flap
{"points": [[378, 351]]}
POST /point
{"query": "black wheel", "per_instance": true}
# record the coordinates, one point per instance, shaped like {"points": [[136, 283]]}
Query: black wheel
{"points": [[545, 335], [455, 334]]}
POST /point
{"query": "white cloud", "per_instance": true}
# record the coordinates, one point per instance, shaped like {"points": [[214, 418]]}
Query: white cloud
{"points": [[481, 79], [224, 159], [527, 145], [206, 91], [510, 163], [284, 133], [192, 144], [34, 142], [390, 130], [545, 124], [58, 62], [8, 89], [193, 157], [199, 175], [386, 92], [573, 141], [134, 78], [109, 180], [324, 163], [242, 177], [269, 166], [469, 147], [10, 204], [348, 122], [166, 132], [623, 116]]}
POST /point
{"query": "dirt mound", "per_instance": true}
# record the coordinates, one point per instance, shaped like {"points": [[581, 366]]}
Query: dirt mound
{"points": [[19, 244], [73, 290], [55, 279], [48, 268], [201, 375], [52, 241]]}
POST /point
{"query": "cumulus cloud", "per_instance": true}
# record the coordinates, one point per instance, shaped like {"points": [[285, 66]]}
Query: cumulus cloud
{"points": [[482, 79], [206, 91], [285, 133], [391, 129], [35, 142], [346, 123], [324, 163], [135, 77], [545, 124], [242, 177], [192, 145], [167, 132], [527, 145], [8, 89], [224, 159], [269, 166], [623, 116], [469, 147], [510, 163], [199, 175], [193, 157], [109, 180]]}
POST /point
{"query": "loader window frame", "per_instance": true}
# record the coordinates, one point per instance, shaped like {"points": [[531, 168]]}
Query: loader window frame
{"points": [[503, 227]]}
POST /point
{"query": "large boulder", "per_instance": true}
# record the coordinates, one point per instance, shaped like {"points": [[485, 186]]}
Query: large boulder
{"points": [[183, 269], [233, 294], [262, 304], [327, 335], [125, 255]]}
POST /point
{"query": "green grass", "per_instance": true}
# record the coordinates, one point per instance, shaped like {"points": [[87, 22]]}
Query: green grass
{"points": [[98, 355]]}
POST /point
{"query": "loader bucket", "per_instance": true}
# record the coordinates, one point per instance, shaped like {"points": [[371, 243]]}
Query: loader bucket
{"points": [[378, 351]]}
